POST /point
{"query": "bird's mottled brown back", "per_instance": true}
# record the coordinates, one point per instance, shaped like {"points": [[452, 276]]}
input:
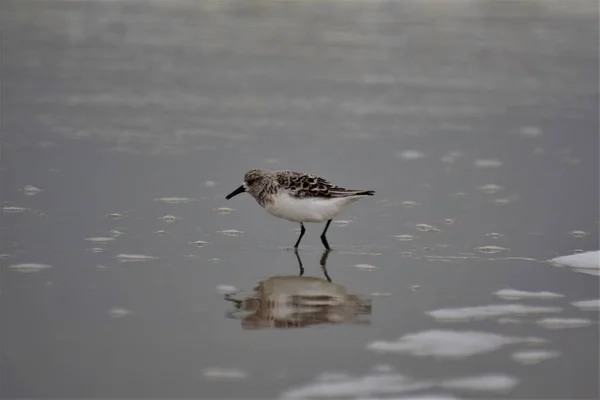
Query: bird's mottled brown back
{"points": [[302, 185]]}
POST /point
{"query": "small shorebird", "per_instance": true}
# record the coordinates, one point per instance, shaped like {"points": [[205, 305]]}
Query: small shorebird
{"points": [[298, 197]]}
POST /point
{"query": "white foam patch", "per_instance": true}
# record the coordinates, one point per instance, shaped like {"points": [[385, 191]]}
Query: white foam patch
{"points": [[30, 190], [491, 311], [427, 228], [357, 386], [488, 382], [530, 357], [587, 260], [200, 243], [487, 163], [588, 305], [230, 232], [595, 272], [12, 209], [100, 239], [563, 323], [490, 249], [134, 258], [29, 267], [341, 385], [418, 397], [447, 343], [169, 218], [513, 294]]}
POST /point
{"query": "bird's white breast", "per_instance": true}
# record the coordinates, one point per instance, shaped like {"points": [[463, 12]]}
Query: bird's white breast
{"points": [[308, 209]]}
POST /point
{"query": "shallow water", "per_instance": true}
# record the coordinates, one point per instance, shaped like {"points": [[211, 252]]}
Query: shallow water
{"points": [[125, 272]]}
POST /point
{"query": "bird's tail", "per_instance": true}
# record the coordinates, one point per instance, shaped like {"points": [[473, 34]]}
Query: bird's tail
{"points": [[366, 193]]}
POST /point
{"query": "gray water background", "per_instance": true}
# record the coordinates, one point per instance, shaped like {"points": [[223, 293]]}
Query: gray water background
{"points": [[108, 105]]}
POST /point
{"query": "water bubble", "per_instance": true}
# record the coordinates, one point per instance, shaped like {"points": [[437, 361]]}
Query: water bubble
{"points": [[494, 235], [380, 294], [169, 218], [160, 232], [100, 239], [29, 267], [502, 201], [118, 312], [224, 374], [512, 294], [578, 234], [490, 249], [490, 188], [341, 222], [199, 243], [562, 323], [531, 131], [365, 267], [96, 249], [491, 311], [449, 221], [30, 190], [409, 203], [487, 163], [409, 155], [230, 232], [12, 209], [226, 289], [210, 184], [114, 215], [114, 233], [404, 238], [587, 305], [530, 357], [134, 258], [175, 200], [427, 228], [224, 210]]}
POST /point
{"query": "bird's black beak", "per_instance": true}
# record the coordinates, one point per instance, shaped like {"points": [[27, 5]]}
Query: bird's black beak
{"points": [[237, 191]]}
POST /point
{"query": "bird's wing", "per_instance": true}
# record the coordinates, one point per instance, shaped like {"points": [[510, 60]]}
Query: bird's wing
{"points": [[306, 185]]}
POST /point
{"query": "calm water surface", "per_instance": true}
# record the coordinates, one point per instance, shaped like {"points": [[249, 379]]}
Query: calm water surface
{"points": [[125, 123]]}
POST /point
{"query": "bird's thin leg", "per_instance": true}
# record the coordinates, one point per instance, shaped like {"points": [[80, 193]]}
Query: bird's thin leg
{"points": [[299, 262], [324, 264], [302, 230], [323, 238]]}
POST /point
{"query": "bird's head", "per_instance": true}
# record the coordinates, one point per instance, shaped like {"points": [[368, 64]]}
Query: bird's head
{"points": [[254, 182]]}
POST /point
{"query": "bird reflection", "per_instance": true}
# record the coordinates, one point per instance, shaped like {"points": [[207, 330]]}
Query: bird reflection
{"points": [[299, 301]]}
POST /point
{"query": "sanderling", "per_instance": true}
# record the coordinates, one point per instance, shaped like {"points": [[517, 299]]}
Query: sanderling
{"points": [[298, 197]]}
